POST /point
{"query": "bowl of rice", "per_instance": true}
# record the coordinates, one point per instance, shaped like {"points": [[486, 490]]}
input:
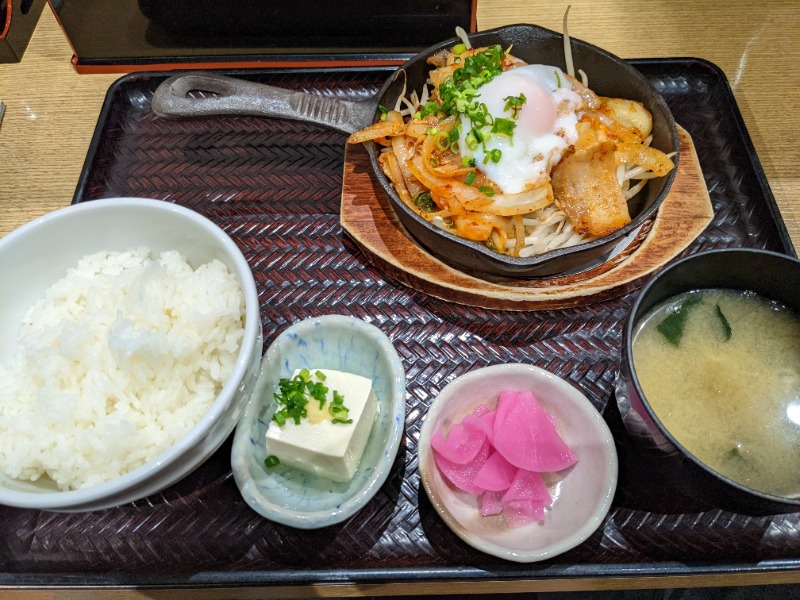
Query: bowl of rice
{"points": [[130, 338]]}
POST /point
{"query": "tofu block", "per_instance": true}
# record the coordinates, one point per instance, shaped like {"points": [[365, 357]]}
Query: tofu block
{"points": [[319, 446]]}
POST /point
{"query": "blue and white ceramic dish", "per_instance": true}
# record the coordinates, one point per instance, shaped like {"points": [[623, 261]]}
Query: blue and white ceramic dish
{"points": [[299, 499]]}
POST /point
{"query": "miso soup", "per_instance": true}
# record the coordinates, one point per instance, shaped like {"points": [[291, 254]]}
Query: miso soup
{"points": [[721, 369]]}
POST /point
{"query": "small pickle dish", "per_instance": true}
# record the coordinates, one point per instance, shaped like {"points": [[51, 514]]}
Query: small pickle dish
{"points": [[578, 497]]}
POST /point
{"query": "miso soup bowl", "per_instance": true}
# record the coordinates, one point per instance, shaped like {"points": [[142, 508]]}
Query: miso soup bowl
{"points": [[770, 274]]}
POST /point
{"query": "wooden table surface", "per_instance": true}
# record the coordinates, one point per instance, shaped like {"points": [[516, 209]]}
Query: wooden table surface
{"points": [[51, 113]]}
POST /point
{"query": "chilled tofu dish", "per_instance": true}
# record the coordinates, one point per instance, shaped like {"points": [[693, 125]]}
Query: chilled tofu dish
{"points": [[322, 422]]}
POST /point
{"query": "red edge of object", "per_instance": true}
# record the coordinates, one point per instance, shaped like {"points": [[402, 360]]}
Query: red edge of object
{"points": [[258, 64], [7, 24]]}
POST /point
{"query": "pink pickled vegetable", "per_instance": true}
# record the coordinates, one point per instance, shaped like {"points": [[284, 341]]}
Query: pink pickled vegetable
{"points": [[500, 454], [529, 439], [481, 410], [496, 474], [462, 475], [491, 503], [461, 445], [483, 422], [526, 499], [527, 485]]}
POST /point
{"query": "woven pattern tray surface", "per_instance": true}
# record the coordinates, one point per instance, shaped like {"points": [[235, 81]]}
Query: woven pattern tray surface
{"points": [[275, 187]]}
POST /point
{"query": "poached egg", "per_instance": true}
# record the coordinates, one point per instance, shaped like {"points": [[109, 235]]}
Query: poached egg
{"points": [[545, 126]]}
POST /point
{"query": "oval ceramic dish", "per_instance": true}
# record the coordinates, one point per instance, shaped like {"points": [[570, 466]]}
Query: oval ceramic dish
{"points": [[292, 497], [582, 497]]}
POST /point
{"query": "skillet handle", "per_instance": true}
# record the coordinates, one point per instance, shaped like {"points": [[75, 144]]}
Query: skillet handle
{"points": [[231, 96]]}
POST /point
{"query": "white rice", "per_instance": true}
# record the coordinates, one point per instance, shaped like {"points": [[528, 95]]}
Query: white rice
{"points": [[116, 363]]}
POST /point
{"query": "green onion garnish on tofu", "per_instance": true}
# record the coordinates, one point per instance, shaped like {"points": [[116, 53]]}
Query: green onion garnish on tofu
{"points": [[296, 392]]}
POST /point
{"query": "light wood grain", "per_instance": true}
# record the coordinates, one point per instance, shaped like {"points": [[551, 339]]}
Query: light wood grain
{"points": [[465, 589], [51, 113]]}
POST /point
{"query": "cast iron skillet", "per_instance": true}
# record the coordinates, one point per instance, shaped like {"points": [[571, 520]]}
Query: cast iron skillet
{"points": [[608, 76]]}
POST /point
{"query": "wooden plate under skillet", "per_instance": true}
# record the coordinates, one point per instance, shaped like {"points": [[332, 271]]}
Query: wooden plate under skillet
{"points": [[369, 220]]}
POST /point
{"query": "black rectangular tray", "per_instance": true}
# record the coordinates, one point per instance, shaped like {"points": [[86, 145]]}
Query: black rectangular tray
{"points": [[275, 187]]}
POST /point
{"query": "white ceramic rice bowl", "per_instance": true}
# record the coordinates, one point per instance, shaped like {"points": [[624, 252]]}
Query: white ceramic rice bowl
{"points": [[39, 253]]}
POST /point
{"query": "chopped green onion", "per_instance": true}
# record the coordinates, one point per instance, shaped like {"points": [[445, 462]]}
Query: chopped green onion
{"points": [[430, 108], [473, 139], [384, 111], [486, 190], [295, 393], [272, 461], [558, 79], [424, 202], [504, 127], [452, 137], [493, 156], [459, 89], [337, 409], [481, 116], [470, 178], [514, 104], [459, 48], [467, 161], [442, 140]]}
